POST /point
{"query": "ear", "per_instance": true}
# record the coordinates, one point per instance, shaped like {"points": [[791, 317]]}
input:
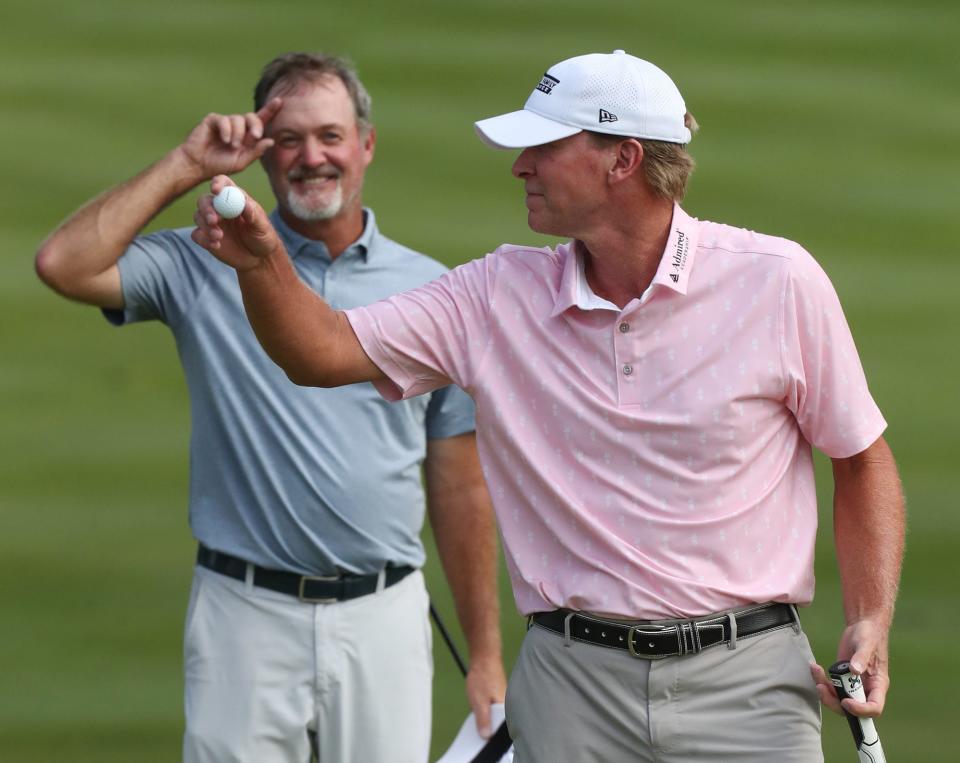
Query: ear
{"points": [[626, 160], [369, 143]]}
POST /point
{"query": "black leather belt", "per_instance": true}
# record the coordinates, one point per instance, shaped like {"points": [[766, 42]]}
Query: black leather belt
{"points": [[313, 589], [654, 641]]}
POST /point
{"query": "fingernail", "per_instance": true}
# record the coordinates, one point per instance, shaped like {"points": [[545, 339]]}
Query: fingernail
{"points": [[857, 667]]}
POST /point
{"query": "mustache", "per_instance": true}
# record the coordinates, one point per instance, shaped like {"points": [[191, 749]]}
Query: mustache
{"points": [[309, 173]]}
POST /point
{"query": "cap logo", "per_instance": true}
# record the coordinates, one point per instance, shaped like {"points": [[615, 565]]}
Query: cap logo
{"points": [[547, 83], [606, 116]]}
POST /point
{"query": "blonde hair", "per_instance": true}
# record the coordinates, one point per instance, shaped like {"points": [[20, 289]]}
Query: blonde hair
{"points": [[666, 166]]}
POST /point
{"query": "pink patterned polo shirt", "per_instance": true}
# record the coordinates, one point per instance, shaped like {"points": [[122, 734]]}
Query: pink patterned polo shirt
{"points": [[651, 462]]}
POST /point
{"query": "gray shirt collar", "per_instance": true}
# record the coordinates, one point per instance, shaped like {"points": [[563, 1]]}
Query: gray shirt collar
{"points": [[298, 245]]}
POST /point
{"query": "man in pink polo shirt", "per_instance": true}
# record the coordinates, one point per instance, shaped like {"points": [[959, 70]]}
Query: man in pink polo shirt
{"points": [[648, 395]]}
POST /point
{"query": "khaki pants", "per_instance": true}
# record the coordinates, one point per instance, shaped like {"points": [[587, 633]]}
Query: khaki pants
{"points": [[581, 703], [265, 671]]}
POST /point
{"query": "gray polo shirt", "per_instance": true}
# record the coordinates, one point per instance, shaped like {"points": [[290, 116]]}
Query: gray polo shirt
{"points": [[293, 478]]}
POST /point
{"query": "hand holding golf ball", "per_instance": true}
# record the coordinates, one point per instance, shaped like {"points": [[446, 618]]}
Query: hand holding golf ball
{"points": [[230, 202], [242, 244]]}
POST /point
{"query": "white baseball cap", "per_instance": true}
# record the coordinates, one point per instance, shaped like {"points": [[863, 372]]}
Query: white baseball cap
{"points": [[613, 93]]}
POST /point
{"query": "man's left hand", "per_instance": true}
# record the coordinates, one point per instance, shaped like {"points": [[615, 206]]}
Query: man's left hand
{"points": [[486, 685], [864, 645]]}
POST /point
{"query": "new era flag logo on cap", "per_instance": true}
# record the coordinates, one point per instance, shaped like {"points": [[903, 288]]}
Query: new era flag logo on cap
{"points": [[613, 93]]}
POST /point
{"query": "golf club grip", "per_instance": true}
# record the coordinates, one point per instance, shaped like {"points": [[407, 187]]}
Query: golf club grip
{"points": [[848, 684]]}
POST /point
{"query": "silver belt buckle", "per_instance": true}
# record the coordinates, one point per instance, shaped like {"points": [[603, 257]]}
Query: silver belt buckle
{"points": [[636, 629], [319, 600]]}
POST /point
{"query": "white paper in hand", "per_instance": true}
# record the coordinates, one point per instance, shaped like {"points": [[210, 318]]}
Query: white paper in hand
{"points": [[469, 743]]}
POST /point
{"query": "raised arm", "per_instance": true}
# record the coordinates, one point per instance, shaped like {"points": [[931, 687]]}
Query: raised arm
{"points": [[869, 525], [79, 259], [461, 516], [313, 344]]}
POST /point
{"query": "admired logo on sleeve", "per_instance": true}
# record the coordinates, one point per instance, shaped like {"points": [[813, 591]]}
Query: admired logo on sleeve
{"points": [[606, 116], [547, 84]]}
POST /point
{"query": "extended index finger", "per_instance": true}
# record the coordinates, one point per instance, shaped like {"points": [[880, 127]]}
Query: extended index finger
{"points": [[270, 109], [828, 695]]}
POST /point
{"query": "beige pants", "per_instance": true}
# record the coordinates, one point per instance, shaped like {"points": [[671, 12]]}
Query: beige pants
{"points": [[590, 704], [264, 671]]}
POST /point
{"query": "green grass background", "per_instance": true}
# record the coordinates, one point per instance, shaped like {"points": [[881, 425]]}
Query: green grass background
{"points": [[833, 123]]}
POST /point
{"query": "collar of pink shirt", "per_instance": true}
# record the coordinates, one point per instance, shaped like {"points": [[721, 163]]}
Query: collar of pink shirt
{"points": [[673, 272]]}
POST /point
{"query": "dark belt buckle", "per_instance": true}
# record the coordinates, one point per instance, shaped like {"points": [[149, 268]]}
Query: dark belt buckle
{"points": [[316, 599], [657, 630]]}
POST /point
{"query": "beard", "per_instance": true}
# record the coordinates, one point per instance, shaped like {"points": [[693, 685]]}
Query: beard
{"points": [[309, 209], [310, 205]]}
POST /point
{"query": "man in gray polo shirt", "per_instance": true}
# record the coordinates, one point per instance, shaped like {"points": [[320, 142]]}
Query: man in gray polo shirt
{"points": [[307, 621]]}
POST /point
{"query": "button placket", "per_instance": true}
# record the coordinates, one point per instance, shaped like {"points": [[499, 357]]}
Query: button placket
{"points": [[624, 348], [627, 341]]}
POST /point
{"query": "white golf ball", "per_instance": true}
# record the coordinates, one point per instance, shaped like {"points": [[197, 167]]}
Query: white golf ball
{"points": [[230, 202]]}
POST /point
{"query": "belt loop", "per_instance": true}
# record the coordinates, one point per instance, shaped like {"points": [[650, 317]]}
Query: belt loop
{"points": [[248, 576], [566, 628], [796, 619], [381, 580], [732, 619]]}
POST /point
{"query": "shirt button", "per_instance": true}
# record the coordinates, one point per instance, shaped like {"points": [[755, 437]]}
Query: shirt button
{"points": [[627, 369], [624, 327]]}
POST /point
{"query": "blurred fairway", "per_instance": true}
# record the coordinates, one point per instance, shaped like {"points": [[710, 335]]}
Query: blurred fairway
{"points": [[832, 123]]}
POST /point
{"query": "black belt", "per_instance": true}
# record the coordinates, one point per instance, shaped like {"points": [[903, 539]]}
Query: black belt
{"points": [[309, 588], [653, 641]]}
